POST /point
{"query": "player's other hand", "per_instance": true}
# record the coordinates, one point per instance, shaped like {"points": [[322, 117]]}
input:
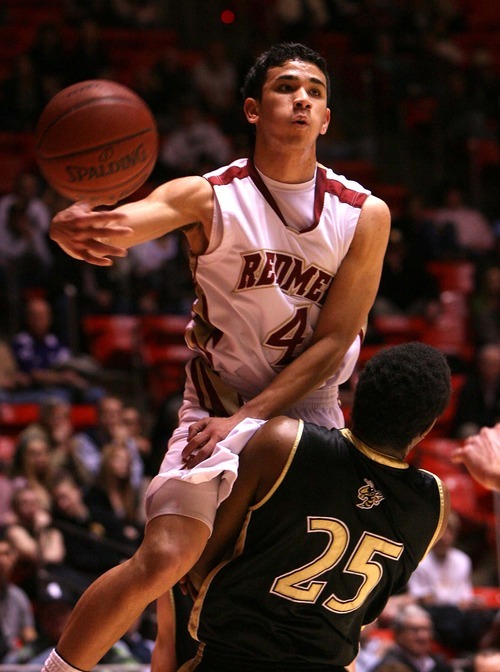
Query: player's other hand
{"points": [[204, 435], [85, 234]]}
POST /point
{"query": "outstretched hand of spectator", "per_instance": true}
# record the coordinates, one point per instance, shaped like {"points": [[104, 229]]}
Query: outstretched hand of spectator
{"points": [[481, 456]]}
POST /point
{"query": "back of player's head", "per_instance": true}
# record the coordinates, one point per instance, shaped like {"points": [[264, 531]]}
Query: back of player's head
{"points": [[400, 392], [276, 56]]}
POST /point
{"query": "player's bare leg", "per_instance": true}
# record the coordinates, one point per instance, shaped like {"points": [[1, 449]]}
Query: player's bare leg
{"points": [[171, 546]]}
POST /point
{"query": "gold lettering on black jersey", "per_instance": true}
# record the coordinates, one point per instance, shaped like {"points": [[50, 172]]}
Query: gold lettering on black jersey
{"points": [[369, 496]]}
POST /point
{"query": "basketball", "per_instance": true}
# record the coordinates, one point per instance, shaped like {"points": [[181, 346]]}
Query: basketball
{"points": [[96, 141]]}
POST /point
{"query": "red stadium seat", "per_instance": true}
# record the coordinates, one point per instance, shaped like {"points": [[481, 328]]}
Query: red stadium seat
{"points": [[164, 354], [395, 329], [457, 276], [112, 339]]}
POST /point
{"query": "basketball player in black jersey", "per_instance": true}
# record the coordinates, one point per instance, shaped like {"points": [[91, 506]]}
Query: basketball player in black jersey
{"points": [[322, 527]]}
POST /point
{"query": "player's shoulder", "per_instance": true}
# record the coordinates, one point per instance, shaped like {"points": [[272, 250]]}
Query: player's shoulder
{"points": [[376, 207], [279, 430]]}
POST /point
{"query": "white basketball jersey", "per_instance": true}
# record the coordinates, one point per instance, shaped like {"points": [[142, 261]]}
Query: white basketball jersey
{"points": [[260, 288]]}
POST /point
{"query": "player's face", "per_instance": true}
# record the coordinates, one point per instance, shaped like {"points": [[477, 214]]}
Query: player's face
{"points": [[293, 104]]}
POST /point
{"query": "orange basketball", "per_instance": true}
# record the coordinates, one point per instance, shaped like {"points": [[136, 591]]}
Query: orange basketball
{"points": [[97, 141]]}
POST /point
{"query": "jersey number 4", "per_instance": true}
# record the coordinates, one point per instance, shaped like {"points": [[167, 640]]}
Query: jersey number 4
{"points": [[300, 585]]}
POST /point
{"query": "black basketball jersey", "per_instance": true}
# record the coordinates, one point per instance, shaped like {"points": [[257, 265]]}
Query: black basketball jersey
{"points": [[341, 530]]}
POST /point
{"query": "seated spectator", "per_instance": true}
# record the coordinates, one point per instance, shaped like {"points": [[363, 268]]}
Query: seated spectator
{"points": [[138, 13], [195, 142], [17, 624], [150, 263], [114, 497], [26, 195], [173, 82], [88, 444], [91, 545], [12, 380], [485, 306], [55, 423], [442, 584], [31, 464], [54, 605], [38, 544], [413, 636], [49, 54], [134, 421], [479, 399], [215, 80], [417, 227], [90, 57], [297, 20], [24, 223], [372, 648], [464, 231], [21, 95], [6, 492], [406, 287], [24, 250], [48, 362]]}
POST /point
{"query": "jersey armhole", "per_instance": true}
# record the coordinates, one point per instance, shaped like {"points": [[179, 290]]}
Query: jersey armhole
{"points": [[284, 472], [442, 508], [217, 228]]}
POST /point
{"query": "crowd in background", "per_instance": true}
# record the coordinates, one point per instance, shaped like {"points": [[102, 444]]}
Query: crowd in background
{"points": [[416, 96]]}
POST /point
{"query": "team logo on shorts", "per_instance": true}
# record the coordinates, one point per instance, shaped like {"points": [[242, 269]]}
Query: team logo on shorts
{"points": [[369, 496]]}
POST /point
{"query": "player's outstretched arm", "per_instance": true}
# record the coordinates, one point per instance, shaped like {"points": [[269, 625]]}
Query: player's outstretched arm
{"points": [[481, 456], [97, 236], [343, 316]]}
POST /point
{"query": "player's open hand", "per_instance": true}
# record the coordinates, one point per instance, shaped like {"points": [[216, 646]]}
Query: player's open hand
{"points": [[85, 234], [204, 435], [481, 456]]}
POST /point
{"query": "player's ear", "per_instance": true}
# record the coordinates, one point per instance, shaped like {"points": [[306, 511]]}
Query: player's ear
{"points": [[251, 110], [326, 121]]}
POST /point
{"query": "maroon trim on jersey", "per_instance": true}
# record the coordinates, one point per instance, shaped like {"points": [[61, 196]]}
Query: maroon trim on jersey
{"points": [[201, 391], [344, 194], [323, 185], [206, 392], [259, 183], [232, 173]]}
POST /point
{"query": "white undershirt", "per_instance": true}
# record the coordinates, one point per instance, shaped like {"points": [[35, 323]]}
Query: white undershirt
{"points": [[296, 201]]}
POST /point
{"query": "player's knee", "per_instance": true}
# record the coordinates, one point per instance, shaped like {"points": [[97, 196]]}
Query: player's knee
{"points": [[168, 551]]}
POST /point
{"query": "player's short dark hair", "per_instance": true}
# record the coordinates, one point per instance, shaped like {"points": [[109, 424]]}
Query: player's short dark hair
{"points": [[274, 57], [400, 392]]}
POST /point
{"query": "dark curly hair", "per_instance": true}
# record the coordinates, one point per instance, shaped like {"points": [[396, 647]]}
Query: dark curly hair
{"points": [[400, 392], [276, 56]]}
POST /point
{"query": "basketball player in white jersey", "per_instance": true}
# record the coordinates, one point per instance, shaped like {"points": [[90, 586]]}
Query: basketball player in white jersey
{"points": [[286, 259]]}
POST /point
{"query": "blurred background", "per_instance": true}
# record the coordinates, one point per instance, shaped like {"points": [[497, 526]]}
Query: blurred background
{"points": [[415, 118]]}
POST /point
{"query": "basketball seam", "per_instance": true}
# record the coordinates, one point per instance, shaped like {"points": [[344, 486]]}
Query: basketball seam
{"points": [[82, 104], [96, 148]]}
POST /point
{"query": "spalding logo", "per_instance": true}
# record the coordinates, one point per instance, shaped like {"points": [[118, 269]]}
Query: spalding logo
{"points": [[106, 166]]}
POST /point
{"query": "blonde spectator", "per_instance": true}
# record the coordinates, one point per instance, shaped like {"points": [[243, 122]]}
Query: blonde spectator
{"points": [[31, 464]]}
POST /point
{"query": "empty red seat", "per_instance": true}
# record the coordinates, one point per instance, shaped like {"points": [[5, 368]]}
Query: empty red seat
{"points": [[112, 339], [396, 329], [157, 333], [455, 276]]}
